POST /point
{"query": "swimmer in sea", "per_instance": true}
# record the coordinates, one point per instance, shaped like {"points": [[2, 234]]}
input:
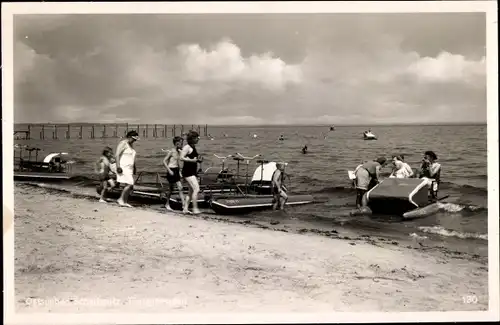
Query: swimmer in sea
{"points": [[304, 150], [104, 171]]}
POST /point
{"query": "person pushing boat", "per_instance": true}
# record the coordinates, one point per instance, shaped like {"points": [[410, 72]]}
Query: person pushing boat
{"points": [[171, 163], [367, 176], [279, 190]]}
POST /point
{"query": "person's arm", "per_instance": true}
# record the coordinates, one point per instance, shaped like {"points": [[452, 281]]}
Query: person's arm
{"points": [[410, 170], [99, 165], [166, 161], [377, 173], [119, 151], [186, 151], [434, 169]]}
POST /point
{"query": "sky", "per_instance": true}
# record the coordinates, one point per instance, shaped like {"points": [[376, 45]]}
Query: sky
{"points": [[250, 69]]}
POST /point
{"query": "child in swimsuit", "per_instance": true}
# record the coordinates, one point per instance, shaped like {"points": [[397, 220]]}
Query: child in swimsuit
{"points": [[171, 163], [105, 172]]}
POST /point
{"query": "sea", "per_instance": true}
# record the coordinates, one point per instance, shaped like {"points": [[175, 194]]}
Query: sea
{"points": [[460, 226]]}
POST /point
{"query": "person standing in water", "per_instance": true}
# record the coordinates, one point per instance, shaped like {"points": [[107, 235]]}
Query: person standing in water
{"points": [[279, 190], [431, 171], [190, 157], [104, 171], [367, 176], [171, 163], [125, 166]]}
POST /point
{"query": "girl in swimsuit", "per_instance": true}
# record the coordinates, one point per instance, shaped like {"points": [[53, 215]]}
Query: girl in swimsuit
{"points": [[190, 157]]}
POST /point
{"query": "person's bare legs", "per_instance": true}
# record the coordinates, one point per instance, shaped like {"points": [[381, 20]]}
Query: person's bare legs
{"points": [[169, 194], [283, 199], [185, 208], [181, 194], [123, 200], [193, 193], [104, 185]]}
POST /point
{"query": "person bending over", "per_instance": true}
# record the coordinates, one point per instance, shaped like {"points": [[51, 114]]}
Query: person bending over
{"points": [[367, 176]]}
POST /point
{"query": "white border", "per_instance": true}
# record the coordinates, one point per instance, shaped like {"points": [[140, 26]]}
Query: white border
{"points": [[490, 7]]}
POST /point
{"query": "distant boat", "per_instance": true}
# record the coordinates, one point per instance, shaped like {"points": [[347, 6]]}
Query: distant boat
{"points": [[368, 135], [332, 128]]}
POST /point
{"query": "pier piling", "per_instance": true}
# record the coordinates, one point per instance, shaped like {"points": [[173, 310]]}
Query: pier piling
{"points": [[88, 130]]}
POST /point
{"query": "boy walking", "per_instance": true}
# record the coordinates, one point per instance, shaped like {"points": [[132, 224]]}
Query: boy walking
{"points": [[171, 163]]}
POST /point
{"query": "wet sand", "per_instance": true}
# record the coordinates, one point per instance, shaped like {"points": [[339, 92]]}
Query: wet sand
{"points": [[77, 255]]}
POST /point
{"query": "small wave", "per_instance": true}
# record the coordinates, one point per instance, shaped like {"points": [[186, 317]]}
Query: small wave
{"points": [[455, 207], [450, 207], [450, 185], [438, 230]]}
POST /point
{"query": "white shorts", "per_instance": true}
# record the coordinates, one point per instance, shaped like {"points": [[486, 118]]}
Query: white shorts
{"points": [[126, 177]]}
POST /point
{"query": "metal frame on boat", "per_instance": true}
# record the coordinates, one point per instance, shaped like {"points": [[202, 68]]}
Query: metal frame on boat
{"points": [[53, 167], [221, 189], [256, 194]]}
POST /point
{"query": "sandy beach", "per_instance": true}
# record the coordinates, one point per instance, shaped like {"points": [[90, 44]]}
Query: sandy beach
{"points": [[78, 255]]}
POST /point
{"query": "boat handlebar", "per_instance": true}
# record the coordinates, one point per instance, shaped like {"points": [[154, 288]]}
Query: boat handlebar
{"points": [[222, 157], [247, 158]]}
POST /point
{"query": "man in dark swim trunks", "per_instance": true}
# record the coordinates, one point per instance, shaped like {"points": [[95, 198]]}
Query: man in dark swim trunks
{"points": [[171, 163]]}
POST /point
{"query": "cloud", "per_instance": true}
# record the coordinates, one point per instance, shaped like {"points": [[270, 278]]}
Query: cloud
{"points": [[326, 69], [225, 63], [448, 67]]}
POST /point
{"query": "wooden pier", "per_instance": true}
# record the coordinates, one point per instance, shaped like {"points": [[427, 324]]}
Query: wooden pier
{"points": [[102, 131]]}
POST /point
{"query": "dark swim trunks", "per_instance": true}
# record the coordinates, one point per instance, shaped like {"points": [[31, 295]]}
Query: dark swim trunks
{"points": [[104, 177], [176, 177]]}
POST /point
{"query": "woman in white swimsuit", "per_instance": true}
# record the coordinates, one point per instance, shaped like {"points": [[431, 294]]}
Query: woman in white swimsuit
{"points": [[125, 166]]}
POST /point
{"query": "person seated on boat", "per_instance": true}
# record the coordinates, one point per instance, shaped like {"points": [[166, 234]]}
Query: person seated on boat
{"points": [[400, 168], [125, 166], [278, 187], [304, 150], [172, 163], [191, 158], [104, 171], [431, 171], [367, 176]]}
